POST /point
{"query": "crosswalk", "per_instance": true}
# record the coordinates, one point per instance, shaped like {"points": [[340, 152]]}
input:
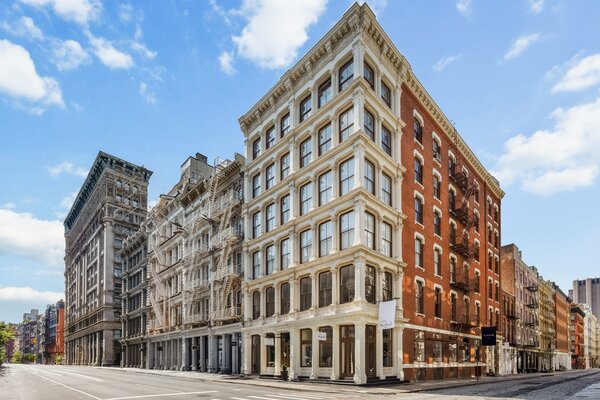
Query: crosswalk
{"points": [[291, 396]]}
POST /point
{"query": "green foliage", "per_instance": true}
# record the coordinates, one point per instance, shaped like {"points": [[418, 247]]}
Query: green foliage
{"points": [[17, 357], [29, 357], [58, 359], [6, 334]]}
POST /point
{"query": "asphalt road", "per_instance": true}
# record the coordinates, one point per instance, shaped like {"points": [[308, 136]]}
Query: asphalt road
{"points": [[48, 382], [539, 387], [32, 382]]}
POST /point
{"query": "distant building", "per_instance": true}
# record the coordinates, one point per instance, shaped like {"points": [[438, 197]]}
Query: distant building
{"points": [[562, 356], [53, 333], [13, 344], [587, 291], [28, 332], [110, 205]]}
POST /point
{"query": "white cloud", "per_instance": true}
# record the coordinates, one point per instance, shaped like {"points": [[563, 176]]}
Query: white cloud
{"points": [[23, 235], [67, 167], [111, 57], [584, 74], [563, 158], [20, 80], [79, 11], [226, 62], [520, 45], [536, 6], [464, 7], [26, 293], [275, 30], [142, 49], [147, 94], [68, 54], [23, 27], [9, 206], [125, 12], [65, 205], [220, 11], [444, 61]]}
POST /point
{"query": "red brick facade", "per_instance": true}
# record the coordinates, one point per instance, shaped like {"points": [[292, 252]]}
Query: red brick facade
{"points": [[435, 325]]}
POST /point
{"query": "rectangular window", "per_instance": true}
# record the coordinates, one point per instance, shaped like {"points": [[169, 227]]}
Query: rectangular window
{"points": [[369, 125], [284, 206], [270, 137], [388, 354], [370, 230], [437, 351], [418, 171], [387, 286], [255, 305], [284, 247], [305, 293], [306, 347], [325, 238], [418, 252], [386, 140], [324, 289], [256, 265], [346, 176], [418, 210], [256, 149], [420, 298], [305, 152], [417, 130], [305, 198], [437, 262], [370, 281], [437, 223], [369, 75], [453, 307], [386, 238], [438, 302], [284, 124], [369, 177], [437, 151], [305, 108], [346, 230], [256, 185], [419, 346], [285, 298], [345, 75], [270, 217], [346, 124], [324, 139], [270, 176], [347, 284], [270, 259], [324, 92], [436, 187], [305, 245], [270, 301], [452, 270], [285, 166], [325, 188], [386, 94], [256, 232], [326, 348], [386, 189]]}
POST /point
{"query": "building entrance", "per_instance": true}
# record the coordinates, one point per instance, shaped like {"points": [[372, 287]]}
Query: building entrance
{"points": [[347, 351]]}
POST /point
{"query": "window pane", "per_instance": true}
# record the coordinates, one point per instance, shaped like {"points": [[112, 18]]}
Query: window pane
{"points": [[346, 176], [346, 230], [325, 139], [324, 93], [346, 124], [325, 188], [347, 284], [345, 75]]}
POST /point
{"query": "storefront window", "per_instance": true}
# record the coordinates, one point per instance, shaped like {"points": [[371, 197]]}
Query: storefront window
{"points": [[306, 347], [419, 346], [326, 347], [387, 348]]}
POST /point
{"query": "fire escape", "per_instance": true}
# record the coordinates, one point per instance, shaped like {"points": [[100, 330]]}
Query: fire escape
{"points": [[155, 264], [532, 322], [460, 279]]}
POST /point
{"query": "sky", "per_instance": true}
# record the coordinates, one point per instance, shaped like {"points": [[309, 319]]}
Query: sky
{"points": [[155, 82]]}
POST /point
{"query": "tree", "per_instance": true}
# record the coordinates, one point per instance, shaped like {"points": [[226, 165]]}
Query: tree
{"points": [[6, 334], [17, 357]]}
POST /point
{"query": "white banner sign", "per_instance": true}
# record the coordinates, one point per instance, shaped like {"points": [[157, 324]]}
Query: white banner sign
{"points": [[387, 314], [269, 341], [321, 335]]}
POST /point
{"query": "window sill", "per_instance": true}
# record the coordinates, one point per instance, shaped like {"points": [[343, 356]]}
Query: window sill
{"points": [[438, 319], [419, 315], [421, 268]]}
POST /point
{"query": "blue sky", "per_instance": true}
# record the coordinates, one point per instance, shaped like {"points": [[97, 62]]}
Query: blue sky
{"points": [[154, 82]]}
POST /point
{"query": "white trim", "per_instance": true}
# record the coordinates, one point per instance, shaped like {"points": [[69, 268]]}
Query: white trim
{"points": [[419, 236], [419, 117]]}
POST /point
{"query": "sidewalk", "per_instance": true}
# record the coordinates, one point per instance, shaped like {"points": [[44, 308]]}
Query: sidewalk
{"points": [[411, 387]]}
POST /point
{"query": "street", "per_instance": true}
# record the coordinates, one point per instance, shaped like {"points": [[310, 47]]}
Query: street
{"points": [[30, 382]]}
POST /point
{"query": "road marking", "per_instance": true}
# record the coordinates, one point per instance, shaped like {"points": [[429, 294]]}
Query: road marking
{"points": [[263, 398], [144, 396], [68, 387], [158, 387], [238, 398], [81, 375], [302, 396]]}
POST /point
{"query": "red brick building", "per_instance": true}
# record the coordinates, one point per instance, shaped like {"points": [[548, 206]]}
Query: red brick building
{"points": [[451, 246], [561, 327], [577, 337]]}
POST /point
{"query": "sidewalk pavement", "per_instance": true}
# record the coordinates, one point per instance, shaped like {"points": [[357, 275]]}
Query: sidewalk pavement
{"points": [[410, 387], [591, 392]]}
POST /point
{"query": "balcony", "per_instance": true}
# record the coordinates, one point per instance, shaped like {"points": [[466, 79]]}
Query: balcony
{"points": [[462, 247], [230, 235], [196, 284], [195, 319], [227, 313], [228, 270], [532, 288]]}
